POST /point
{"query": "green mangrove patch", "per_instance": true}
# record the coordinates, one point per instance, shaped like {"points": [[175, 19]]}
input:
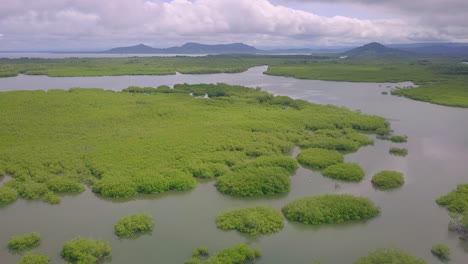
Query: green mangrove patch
{"points": [[456, 200], [388, 179], [132, 225], [34, 259], [399, 139], [330, 208], [238, 254], [398, 151], [316, 158], [85, 251], [25, 241], [344, 171], [441, 251], [254, 220], [389, 256], [127, 143]]}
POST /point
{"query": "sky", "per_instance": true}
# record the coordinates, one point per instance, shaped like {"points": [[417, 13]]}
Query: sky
{"points": [[101, 24]]}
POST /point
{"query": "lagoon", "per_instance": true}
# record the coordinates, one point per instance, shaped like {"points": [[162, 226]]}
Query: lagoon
{"points": [[409, 219]]}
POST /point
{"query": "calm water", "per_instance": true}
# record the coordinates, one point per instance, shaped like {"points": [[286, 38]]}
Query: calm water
{"points": [[410, 219]]}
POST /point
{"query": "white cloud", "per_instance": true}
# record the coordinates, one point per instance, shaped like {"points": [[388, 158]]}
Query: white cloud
{"points": [[103, 23]]}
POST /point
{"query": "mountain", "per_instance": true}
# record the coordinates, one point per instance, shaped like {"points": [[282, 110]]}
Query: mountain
{"points": [[189, 48], [133, 49], [375, 49]]}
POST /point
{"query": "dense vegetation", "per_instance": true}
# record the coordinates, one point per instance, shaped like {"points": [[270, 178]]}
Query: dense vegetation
{"points": [[125, 66], [388, 179], [7, 195], [54, 142], [238, 254], [254, 220], [330, 208], [398, 151], [34, 259], [389, 256], [319, 158], [441, 251], [134, 224], [25, 241], [344, 171], [457, 200], [85, 251]]}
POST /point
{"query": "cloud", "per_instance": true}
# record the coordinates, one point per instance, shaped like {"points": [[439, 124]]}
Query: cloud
{"points": [[55, 24]]}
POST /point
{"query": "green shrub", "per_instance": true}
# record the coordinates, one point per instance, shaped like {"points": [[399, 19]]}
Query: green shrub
{"points": [[319, 158], [252, 181], [330, 208], [389, 256], [24, 242], [201, 252], [52, 198], [64, 184], [134, 224], [399, 139], [326, 142], [238, 254], [345, 171], [388, 179], [34, 259], [254, 220], [30, 189], [456, 200], [441, 251], [7, 195], [85, 251], [398, 151]]}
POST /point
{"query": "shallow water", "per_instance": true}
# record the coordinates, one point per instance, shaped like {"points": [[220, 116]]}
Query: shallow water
{"points": [[409, 219]]}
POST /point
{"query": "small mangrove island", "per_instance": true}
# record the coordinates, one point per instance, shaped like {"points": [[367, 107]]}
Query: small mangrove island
{"points": [[238, 254], [133, 225], [25, 241], [84, 250], [387, 179], [344, 171], [253, 221], [330, 208]]}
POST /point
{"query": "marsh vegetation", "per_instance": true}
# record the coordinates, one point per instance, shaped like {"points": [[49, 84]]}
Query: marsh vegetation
{"points": [[133, 225], [238, 254], [387, 179], [66, 140], [330, 208], [253, 221], [84, 250]]}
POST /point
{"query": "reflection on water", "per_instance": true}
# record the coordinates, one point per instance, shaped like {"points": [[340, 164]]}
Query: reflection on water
{"points": [[410, 219]]}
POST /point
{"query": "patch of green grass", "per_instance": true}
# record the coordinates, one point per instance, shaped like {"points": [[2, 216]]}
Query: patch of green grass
{"points": [[238, 254], [398, 151], [319, 158], [24, 242], [456, 200], [441, 251], [132, 225], [388, 179], [34, 259], [344, 171], [253, 221], [389, 256], [85, 251], [330, 208], [56, 141]]}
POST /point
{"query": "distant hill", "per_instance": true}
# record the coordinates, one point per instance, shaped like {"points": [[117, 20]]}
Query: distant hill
{"points": [[375, 49], [189, 48]]}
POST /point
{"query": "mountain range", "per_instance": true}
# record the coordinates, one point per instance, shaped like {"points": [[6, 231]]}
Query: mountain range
{"points": [[373, 49]]}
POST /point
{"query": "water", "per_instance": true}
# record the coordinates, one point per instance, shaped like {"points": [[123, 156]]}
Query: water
{"points": [[410, 219], [51, 55]]}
